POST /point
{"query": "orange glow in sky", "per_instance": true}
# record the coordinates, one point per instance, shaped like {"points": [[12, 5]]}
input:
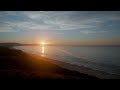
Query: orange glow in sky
{"points": [[42, 42]]}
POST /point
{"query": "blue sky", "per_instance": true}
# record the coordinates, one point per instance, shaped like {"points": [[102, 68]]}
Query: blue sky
{"points": [[76, 27]]}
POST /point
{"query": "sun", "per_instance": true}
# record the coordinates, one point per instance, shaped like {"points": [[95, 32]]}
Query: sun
{"points": [[42, 43]]}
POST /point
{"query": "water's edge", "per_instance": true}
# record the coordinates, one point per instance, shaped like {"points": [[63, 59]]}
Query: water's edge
{"points": [[81, 69]]}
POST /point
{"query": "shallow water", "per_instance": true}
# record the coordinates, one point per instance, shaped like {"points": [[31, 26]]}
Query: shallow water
{"points": [[102, 58]]}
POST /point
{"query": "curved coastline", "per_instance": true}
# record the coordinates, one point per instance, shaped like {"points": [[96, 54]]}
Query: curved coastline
{"points": [[18, 64], [80, 69]]}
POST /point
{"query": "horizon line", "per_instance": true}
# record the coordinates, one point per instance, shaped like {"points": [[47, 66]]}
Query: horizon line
{"points": [[63, 44]]}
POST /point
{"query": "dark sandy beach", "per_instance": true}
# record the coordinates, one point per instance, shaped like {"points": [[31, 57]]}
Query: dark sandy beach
{"points": [[80, 69], [15, 64]]}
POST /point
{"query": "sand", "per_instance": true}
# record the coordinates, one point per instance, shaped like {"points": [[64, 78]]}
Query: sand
{"points": [[81, 69], [16, 64]]}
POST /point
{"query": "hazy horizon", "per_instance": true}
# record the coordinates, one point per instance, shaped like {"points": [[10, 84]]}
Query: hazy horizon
{"points": [[60, 27]]}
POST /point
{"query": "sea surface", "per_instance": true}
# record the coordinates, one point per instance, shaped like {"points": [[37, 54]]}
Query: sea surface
{"points": [[102, 58]]}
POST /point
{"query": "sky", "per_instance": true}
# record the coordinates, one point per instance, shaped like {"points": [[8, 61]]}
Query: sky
{"points": [[61, 27]]}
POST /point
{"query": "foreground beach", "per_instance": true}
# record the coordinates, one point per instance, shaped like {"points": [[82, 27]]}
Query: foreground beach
{"points": [[15, 64], [80, 69]]}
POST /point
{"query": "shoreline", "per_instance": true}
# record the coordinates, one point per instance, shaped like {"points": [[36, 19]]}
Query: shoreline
{"points": [[21, 65], [16, 64], [80, 69]]}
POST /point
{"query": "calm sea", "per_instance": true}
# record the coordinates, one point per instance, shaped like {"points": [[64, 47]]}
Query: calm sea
{"points": [[102, 58]]}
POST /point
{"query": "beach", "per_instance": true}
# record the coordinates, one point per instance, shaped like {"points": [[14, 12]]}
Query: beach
{"points": [[16, 64], [80, 69]]}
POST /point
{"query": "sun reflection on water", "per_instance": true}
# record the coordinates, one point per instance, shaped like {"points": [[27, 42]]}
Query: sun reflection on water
{"points": [[42, 51]]}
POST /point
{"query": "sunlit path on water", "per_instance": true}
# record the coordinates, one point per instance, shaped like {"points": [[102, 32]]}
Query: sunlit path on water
{"points": [[42, 51]]}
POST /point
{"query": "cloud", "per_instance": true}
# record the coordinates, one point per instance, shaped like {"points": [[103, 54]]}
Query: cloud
{"points": [[30, 26], [92, 31], [6, 29], [58, 33], [55, 20]]}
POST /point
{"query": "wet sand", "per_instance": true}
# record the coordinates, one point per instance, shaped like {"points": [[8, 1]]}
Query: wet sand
{"points": [[15, 64], [80, 69]]}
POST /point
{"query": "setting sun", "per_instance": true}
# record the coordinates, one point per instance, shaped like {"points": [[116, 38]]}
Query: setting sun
{"points": [[42, 43], [59, 45]]}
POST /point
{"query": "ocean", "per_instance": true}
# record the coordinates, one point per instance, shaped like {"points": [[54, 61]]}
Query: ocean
{"points": [[101, 58]]}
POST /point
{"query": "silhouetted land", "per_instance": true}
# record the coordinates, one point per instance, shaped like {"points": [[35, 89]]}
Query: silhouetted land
{"points": [[15, 64]]}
